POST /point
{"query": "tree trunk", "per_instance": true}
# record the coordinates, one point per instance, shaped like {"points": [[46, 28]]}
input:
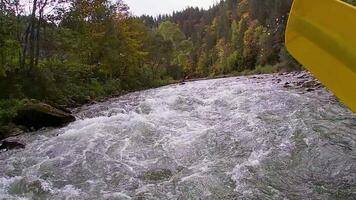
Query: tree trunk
{"points": [[39, 32], [37, 47], [32, 35], [25, 46]]}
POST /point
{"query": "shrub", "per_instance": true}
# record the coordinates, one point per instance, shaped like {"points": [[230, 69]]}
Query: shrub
{"points": [[8, 110]]}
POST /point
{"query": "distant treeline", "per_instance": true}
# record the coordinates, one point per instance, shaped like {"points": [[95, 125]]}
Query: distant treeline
{"points": [[243, 36], [232, 36]]}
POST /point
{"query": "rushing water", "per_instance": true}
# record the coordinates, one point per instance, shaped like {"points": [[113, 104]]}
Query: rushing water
{"points": [[233, 138]]}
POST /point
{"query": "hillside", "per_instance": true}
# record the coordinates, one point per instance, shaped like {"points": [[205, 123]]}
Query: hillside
{"points": [[231, 36]]}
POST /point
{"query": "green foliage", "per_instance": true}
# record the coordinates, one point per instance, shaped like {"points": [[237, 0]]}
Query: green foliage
{"points": [[204, 64], [85, 51], [170, 31], [251, 48], [8, 110], [235, 60]]}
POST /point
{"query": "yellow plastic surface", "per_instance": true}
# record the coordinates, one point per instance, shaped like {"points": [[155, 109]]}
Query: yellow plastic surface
{"points": [[321, 35]]}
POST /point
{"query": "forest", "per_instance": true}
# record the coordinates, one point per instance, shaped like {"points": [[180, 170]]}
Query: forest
{"points": [[68, 52]]}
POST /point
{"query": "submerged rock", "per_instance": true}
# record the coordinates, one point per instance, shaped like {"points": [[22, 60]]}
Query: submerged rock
{"points": [[287, 85], [310, 84], [157, 175], [39, 115]]}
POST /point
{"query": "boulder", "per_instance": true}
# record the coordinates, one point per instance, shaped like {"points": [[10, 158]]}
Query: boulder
{"points": [[310, 83], [39, 115], [310, 89], [287, 85], [11, 130], [6, 145]]}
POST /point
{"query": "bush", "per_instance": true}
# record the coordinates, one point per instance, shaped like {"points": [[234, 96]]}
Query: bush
{"points": [[235, 61], [112, 86], [8, 110]]}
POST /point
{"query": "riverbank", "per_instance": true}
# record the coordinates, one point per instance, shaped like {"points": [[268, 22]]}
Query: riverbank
{"points": [[10, 108]]}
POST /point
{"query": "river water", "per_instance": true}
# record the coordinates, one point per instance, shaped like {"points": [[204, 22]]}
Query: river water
{"points": [[233, 138]]}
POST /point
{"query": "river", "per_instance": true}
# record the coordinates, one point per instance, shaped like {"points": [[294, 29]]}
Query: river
{"points": [[232, 138]]}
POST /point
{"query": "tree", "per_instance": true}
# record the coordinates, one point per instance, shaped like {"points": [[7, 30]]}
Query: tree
{"points": [[160, 53], [170, 31], [184, 56], [251, 48]]}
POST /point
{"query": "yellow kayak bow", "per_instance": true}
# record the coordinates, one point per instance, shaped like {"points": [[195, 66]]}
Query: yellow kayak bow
{"points": [[321, 35]]}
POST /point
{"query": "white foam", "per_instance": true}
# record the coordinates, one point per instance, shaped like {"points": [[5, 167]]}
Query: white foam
{"points": [[69, 192], [241, 171], [5, 182], [119, 195]]}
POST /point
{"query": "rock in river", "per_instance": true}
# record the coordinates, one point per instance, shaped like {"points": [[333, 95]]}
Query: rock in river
{"points": [[6, 145], [157, 175], [39, 115]]}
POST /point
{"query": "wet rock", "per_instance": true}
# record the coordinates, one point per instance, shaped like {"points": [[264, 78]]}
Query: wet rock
{"points": [[303, 76], [93, 102], [34, 116], [318, 85], [279, 80], [309, 84], [11, 130], [6, 145], [287, 85], [299, 83], [310, 89], [63, 108], [300, 80]]}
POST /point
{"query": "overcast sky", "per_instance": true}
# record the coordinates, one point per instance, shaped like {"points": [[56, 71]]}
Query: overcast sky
{"points": [[155, 7]]}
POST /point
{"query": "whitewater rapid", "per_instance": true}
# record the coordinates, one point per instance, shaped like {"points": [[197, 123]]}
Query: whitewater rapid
{"points": [[232, 138]]}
